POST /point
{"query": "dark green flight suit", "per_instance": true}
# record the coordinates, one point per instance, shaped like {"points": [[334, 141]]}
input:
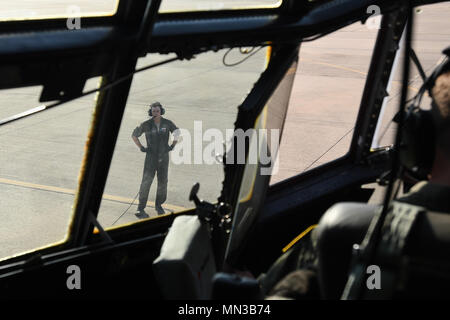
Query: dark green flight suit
{"points": [[156, 159]]}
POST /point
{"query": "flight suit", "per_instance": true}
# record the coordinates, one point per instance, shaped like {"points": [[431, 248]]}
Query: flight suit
{"points": [[156, 159]]}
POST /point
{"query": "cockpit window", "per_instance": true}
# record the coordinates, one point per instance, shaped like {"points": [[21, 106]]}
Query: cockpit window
{"points": [[325, 99], [212, 5], [194, 103], [386, 128], [44, 9], [40, 159]]}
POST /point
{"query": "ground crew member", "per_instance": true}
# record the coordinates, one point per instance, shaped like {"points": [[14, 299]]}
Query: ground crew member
{"points": [[157, 131]]}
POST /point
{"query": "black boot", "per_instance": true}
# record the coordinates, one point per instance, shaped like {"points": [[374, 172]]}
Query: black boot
{"points": [[160, 210]]}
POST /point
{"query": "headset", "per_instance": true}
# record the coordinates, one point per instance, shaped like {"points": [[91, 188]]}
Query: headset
{"points": [[156, 104], [417, 146]]}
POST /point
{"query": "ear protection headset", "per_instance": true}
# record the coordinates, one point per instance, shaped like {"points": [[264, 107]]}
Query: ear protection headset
{"points": [[418, 132], [156, 104]]}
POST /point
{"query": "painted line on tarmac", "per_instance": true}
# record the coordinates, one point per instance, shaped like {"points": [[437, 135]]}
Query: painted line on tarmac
{"points": [[353, 70], [72, 192]]}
